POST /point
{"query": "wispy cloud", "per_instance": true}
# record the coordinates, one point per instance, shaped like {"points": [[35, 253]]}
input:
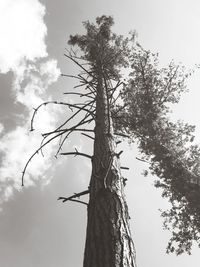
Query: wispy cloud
{"points": [[23, 51]]}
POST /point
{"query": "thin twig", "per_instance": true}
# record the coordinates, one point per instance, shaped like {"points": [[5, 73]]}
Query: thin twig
{"points": [[81, 95], [71, 76], [88, 136], [124, 168], [77, 63], [142, 160], [79, 201]]}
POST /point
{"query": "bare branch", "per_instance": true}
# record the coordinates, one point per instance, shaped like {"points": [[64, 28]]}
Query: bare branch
{"points": [[88, 136], [118, 154], [61, 103], [77, 112], [71, 76], [61, 132], [75, 106], [82, 122], [76, 195], [81, 95], [113, 91], [90, 85], [71, 131], [76, 154], [62, 142], [77, 63], [36, 152], [124, 168], [79, 201]]}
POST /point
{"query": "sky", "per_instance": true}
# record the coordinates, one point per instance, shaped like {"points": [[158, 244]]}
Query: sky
{"points": [[36, 229]]}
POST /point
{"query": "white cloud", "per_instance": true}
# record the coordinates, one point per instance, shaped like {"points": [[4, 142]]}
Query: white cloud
{"points": [[23, 51], [17, 145], [32, 81], [22, 32]]}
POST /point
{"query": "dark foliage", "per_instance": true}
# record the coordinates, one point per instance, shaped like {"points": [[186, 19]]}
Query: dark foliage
{"points": [[102, 48], [168, 146]]}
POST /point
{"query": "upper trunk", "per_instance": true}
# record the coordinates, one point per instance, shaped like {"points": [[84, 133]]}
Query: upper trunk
{"points": [[108, 239]]}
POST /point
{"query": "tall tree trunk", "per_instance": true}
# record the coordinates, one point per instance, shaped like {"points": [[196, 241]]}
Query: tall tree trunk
{"points": [[108, 238]]}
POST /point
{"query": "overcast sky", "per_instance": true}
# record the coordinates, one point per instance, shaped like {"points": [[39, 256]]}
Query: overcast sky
{"points": [[35, 229]]}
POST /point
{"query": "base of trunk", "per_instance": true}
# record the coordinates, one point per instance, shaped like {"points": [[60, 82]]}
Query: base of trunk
{"points": [[108, 241]]}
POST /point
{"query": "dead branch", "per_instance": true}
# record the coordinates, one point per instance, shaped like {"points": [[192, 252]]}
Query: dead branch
{"points": [[88, 136], [81, 95], [83, 108], [62, 142], [36, 152], [79, 201], [76, 195], [76, 106], [71, 131], [76, 153], [83, 121], [118, 154], [113, 91], [71, 76], [77, 112], [77, 63], [61, 132], [124, 168], [74, 128]]}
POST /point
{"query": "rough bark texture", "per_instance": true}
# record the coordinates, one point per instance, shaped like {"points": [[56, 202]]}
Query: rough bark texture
{"points": [[108, 238]]}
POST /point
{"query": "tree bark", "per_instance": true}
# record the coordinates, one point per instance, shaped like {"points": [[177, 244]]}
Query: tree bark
{"points": [[108, 238]]}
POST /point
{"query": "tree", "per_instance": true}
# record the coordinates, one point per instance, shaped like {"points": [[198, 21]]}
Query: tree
{"points": [[136, 108]]}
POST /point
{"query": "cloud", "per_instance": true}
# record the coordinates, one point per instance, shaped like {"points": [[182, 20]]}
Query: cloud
{"points": [[23, 51], [23, 32]]}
